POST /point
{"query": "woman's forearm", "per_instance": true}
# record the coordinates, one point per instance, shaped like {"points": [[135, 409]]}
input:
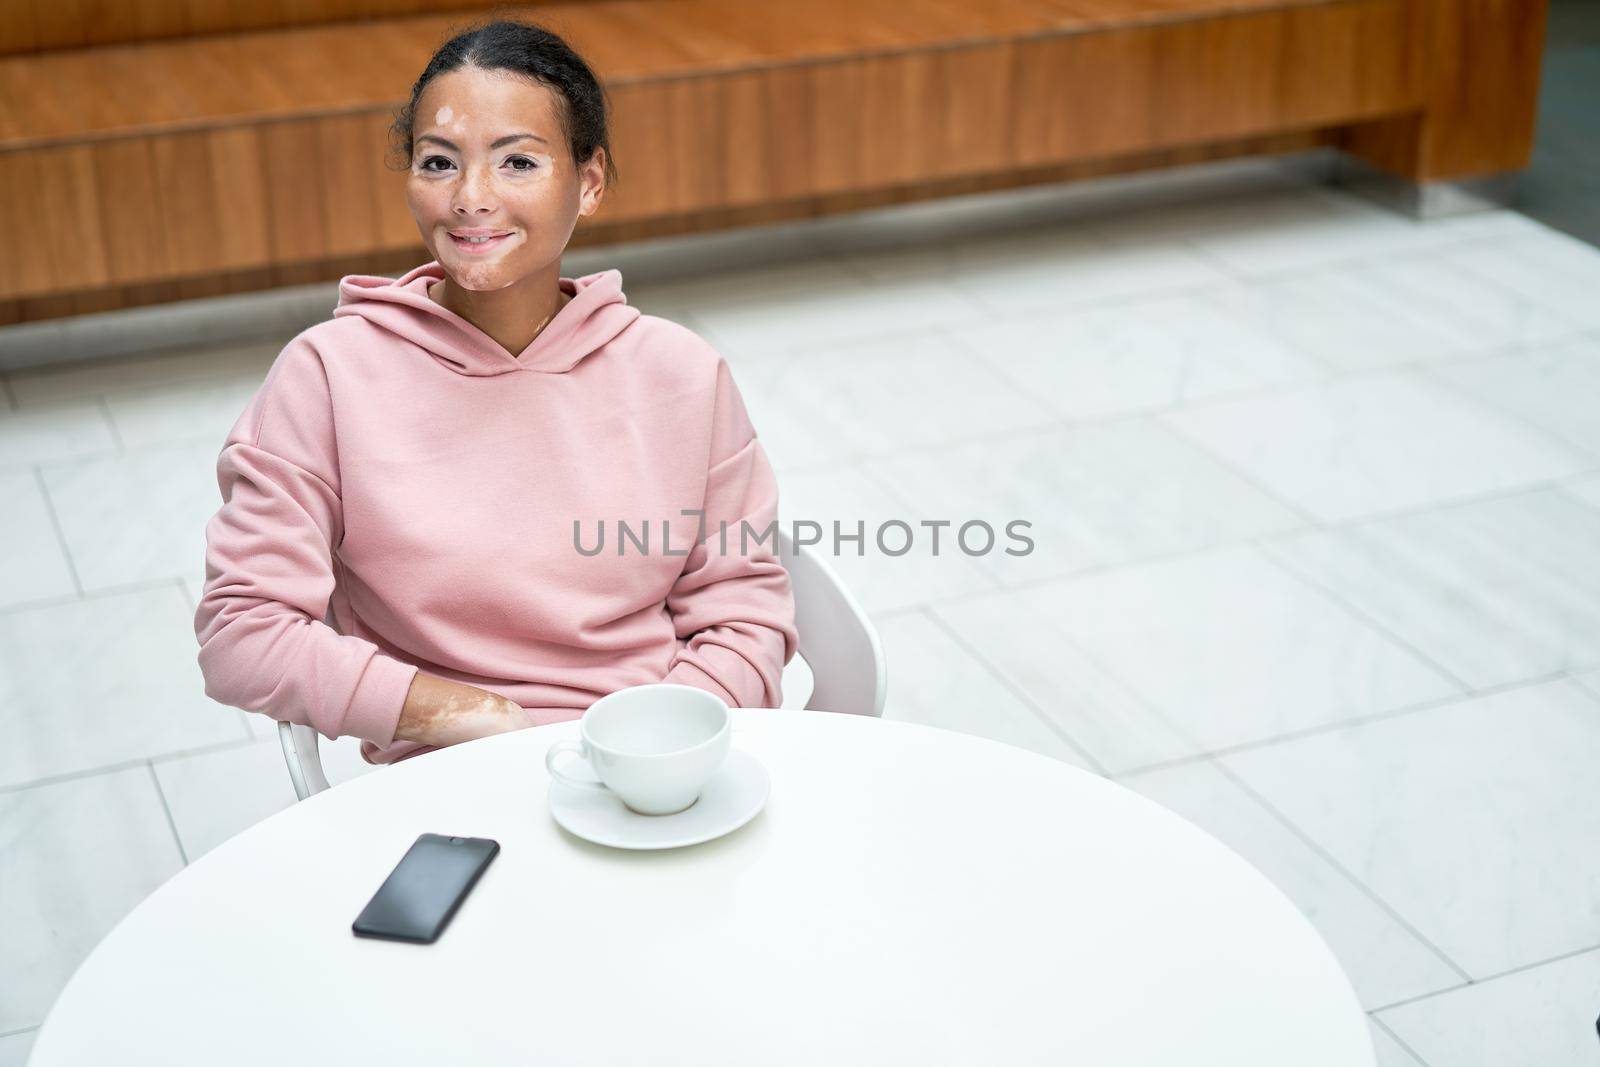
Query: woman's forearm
{"points": [[441, 712]]}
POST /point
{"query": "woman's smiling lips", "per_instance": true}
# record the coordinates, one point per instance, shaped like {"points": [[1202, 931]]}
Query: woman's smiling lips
{"points": [[476, 242]]}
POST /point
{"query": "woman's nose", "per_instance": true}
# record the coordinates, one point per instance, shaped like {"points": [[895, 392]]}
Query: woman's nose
{"points": [[473, 194]]}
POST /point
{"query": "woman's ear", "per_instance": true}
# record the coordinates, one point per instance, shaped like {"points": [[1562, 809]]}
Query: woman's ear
{"points": [[592, 178]]}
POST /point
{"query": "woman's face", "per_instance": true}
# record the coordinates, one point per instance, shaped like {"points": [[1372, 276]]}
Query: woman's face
{"points": [[489, 156]]}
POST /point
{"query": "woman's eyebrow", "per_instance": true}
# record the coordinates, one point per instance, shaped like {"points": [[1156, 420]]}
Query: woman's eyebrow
{"points": [[502, 141]]}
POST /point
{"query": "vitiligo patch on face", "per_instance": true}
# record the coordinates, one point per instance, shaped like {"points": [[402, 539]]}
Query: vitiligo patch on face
{"points": [[442, 116], [547, 164]]}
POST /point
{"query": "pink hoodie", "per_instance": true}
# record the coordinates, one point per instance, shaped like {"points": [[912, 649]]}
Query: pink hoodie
{"points": [[401, 467]]}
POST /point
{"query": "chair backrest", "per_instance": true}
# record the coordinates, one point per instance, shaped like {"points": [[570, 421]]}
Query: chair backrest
{"points": [[837, 641]]}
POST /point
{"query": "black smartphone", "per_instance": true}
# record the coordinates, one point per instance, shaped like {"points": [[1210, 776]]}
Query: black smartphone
{"points": [[415, 903]]}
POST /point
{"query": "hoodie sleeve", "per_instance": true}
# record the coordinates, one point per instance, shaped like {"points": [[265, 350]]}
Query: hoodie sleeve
{"points": [[735, 608], [269, 570]]}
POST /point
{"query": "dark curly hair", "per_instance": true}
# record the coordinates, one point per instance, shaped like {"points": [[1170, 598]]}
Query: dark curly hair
{"points": [[536, 54]]}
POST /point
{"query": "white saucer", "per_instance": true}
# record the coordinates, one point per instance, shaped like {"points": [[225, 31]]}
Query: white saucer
{"points": [[733, 796]]}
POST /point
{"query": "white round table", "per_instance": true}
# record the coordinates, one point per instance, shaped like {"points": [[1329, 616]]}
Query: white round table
{"points": [[909, 895]]}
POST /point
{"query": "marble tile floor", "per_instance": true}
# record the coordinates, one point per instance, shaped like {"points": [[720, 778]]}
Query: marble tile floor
{"points": [[1315, 504]]}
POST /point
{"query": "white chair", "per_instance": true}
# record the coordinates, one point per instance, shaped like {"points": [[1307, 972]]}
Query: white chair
{"points": [[837, 641]]}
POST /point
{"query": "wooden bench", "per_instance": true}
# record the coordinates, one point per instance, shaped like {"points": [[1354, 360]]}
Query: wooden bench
{"points": [[174, 155]]}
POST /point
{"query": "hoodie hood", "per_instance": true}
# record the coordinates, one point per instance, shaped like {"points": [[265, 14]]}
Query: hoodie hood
{"points": [[597, 312]]}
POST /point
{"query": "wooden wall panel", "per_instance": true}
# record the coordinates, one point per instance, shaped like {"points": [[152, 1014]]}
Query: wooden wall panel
{"points": [[1216, 78], [44, 25], [130, 210], [740, 103], [69, 197], [293, 172], [238, 176], [347, 165], [387, 189], [1339, 64], [1062, 102], [191, 214], [1483, 85], [590, 233], [1476, 84], [25, 268], [655, 143], [275, 199]]}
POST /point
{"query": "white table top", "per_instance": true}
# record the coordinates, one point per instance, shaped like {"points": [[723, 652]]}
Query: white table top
{"points": [[909, 895]]}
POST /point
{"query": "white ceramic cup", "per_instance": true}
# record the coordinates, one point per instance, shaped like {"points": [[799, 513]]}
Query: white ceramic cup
{"points": [[654, 746]]}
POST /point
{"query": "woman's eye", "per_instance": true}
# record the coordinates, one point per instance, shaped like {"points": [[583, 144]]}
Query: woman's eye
{"points": [[518, 163]]}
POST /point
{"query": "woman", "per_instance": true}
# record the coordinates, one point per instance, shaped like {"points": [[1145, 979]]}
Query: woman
{"points": [[425, 461]]}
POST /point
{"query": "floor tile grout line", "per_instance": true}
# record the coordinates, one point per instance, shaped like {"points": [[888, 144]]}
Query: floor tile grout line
{"points": [[1341, 526], [994, 372], [1271, 553], [1308, 520], [88, 596], [194, 442], [1105, 229], [97, 391], [55, 525], [1352, 262], [1488, 978], [1465, 500], [1163, 416], [1135, 695], [174, 445], [1344, 724], [1133, 298], [1578, 498], [1396, 1038], [183, 590], [1016, 691], [1448, 245], [1145, 703], [128, 764], [1328, 377], [172, 824], [1226, 278], [1322, 523], [111, 423], [1226, 271], [1517, 419], [1142, 701], [236, 349], [1577, 680], [1028, 313], [888, 489], [1345, 872]]}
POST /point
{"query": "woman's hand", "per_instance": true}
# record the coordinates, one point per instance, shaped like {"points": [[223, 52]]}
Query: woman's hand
{"points": [[441, 712]]}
